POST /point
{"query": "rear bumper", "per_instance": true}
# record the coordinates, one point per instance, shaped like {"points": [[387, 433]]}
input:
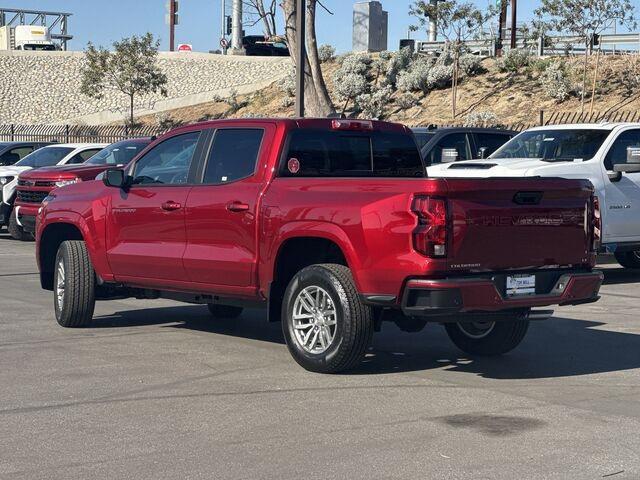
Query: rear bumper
{"points": [[423, 297]]}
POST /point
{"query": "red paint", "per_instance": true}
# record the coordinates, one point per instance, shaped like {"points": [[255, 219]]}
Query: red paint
{"points": [[225, 239]]}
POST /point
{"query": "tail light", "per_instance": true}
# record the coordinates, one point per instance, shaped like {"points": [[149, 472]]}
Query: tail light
{"points": [[430, 236], [597, 223]]}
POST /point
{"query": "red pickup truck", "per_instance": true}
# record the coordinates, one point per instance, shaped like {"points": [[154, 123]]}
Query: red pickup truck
{"points": [[34, 185], [331, 226]]}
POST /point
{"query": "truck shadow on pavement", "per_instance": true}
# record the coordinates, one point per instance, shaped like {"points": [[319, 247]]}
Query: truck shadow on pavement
{"points": [[619, 276], [559, 347]]}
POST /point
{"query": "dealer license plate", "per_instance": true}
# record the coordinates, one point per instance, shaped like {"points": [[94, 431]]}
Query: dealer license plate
{"points": [[521, 285]]}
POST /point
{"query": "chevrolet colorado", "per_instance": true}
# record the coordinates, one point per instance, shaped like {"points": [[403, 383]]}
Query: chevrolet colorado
{"points": [[35, 185], [328, 224], [606, 154]]}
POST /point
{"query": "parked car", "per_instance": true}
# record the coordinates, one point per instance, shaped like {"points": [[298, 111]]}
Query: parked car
{"points": [[12, 152], [35, 185], [328, 225], [607, 154], [57, 154], [258, 46], [453, 144]]}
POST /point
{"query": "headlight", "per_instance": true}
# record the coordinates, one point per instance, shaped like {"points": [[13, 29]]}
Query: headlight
{"points": [[5, 180], [62, 183]]}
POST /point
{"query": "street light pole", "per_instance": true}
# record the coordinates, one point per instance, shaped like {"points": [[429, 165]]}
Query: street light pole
{"points": [[301, 61]]}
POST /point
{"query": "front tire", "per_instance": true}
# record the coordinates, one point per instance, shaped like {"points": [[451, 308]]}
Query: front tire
{"points": [[326, 325], [628, 259], [15, 230], [485, 337], [74, 285]]}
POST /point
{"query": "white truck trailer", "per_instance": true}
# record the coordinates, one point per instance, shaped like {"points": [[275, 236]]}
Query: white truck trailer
{"points": [[26, 37]]}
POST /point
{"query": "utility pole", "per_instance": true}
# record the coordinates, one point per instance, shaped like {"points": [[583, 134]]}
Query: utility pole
{"points": [[223, 27], [502, 22], [301, 61], [173, 21], [236, 28], [514, 17]]}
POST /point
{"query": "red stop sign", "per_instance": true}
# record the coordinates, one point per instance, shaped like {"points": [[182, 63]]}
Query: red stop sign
{"points": [[185, 47]]}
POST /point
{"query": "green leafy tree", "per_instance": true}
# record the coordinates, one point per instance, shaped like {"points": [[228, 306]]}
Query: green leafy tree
{"points": [[457, 22], [585, 18], [131, 69]]}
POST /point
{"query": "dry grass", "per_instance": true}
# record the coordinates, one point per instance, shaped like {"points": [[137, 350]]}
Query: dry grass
{"points": [[513, 97]]}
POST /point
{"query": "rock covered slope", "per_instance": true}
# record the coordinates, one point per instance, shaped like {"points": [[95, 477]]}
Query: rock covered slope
{"points": [[44, 87]]}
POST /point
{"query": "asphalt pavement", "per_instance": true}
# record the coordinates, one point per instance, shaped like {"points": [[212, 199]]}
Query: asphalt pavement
{"points": [[160, 390]]}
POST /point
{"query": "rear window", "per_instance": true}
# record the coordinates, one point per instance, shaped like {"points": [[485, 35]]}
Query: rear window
{"points": [[322, 153]]}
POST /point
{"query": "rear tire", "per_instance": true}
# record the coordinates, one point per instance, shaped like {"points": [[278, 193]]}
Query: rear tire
{"points": [[485, 337], [224, 311], [74, 281], [15, 230], [325, 324], [629, 259]]}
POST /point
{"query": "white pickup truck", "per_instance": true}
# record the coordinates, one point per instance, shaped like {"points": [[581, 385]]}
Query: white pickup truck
{"points": [[607, 154]]}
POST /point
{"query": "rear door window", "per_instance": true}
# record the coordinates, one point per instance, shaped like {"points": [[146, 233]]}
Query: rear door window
{"points": [[321, 153], [450, 148], [233, 155]]}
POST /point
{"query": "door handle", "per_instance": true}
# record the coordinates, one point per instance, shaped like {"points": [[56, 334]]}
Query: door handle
{"points": [[171, 206], [237, 207]]}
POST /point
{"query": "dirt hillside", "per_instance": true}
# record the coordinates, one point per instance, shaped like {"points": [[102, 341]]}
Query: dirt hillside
{"points": [[514, 97]]}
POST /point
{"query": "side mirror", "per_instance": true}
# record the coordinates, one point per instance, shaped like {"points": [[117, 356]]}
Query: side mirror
{"points": [[449, 155], [115, 177]]}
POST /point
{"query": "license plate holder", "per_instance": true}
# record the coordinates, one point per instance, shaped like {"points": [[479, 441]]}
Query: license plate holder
{"points": [[521, 285]]}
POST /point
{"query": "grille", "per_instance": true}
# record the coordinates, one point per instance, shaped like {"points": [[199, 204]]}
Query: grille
{"points": [[31, 197], [37, 183]]}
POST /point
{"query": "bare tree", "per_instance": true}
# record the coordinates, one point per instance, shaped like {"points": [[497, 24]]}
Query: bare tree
{"points": [[586, 18], [265, 14], [457, 23], [317, 100]]}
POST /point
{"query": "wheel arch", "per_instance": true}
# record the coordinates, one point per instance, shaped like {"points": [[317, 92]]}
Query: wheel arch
{"points": [[299, 248], [50, 240]]}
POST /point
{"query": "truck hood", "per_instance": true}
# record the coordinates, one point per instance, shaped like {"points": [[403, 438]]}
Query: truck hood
{"points": [[64, 172], [503, 167], [12, 171]]}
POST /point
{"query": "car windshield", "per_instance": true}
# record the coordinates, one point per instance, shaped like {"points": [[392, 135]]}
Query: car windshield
{"points": [[45, 157], [120, 153], [554, 145]]}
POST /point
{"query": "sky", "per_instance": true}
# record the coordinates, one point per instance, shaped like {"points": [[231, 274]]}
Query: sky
{"points": [[104, 21]]}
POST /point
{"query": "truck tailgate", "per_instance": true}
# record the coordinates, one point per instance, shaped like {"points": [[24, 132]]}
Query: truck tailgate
{"points": [[505, 224]]}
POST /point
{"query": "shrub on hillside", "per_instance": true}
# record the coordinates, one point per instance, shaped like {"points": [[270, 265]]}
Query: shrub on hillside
{"points": [[397, 62], [406, 101], [483, 119], [471, 65], [556, 82], [416, 77], [374, 105], [288, 85], [350, 80], [514, 60], [326, 53]]}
